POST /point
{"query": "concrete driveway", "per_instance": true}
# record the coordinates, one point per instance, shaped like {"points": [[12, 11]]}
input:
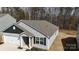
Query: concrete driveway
{"points": [[9, 47]]}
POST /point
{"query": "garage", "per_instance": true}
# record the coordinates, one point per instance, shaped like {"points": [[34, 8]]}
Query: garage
{"points": [[11, 35], [10, 38]]}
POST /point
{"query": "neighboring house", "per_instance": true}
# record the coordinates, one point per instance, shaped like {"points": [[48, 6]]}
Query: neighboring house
{"points": [[31, 33], [6, 21]]}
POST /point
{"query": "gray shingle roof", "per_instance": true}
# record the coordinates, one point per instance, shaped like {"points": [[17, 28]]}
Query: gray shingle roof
{"points": [[25, 31], [6, 21], [42, 26]]}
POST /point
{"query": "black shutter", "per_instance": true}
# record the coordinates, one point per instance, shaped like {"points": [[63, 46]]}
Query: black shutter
{"points": [[44, 41], [34, 40]]}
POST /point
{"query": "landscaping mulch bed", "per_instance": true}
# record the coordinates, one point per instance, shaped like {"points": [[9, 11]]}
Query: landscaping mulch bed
{"points": [[69, 44], [35, 49], [1, 43]]}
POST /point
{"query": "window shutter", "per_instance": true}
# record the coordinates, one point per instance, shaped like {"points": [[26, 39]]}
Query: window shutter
{"points": [[44, 41], [34, 40]]}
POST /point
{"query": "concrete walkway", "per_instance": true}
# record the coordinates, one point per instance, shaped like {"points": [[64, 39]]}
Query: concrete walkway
{"points": [[9, 47]]}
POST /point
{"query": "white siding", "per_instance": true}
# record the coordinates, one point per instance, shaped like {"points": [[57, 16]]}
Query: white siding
{"points": [[36, 34], [51, 40]]}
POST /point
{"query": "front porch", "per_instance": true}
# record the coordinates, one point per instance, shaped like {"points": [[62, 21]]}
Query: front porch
{"points": [[26, 41]]}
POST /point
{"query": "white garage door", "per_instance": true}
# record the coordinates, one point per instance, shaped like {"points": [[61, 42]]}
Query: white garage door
{"points": [[11, 39]]}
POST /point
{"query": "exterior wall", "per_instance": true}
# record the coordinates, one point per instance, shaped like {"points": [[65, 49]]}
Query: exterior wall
{"points": [[8, 37], [31, 43], [36, 34], [11, 38], [51, 40], [41, 46]]}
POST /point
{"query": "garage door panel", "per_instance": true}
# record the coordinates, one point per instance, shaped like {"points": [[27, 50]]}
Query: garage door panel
{"points": [[11, 39]]}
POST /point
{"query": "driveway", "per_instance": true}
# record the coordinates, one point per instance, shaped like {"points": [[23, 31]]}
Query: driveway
{"points": [[9, 47]]}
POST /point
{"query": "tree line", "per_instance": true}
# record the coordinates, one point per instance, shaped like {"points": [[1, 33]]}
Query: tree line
{"points": [[64, 17]]}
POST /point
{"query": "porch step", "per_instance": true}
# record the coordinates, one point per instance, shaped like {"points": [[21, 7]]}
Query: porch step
{"points": [[26, 47]]}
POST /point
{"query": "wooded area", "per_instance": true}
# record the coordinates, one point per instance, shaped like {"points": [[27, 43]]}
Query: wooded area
{"points": [[64, 17]]}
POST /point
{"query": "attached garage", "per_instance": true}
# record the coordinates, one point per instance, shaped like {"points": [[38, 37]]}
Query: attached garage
{"points": [[17, 36], [11, 38], [11, 35]]}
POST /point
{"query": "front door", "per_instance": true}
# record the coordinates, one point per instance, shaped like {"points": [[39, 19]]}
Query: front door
{"points": [[26, 40]]}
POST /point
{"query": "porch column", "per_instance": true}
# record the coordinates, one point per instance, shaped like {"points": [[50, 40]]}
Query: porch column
{"points": [[21, 42], [29, 43]]}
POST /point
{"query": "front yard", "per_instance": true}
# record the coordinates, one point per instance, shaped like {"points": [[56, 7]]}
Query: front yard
{"points": [[57, 45]]}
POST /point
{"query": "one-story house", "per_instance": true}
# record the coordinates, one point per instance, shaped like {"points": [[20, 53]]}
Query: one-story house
{"points": [[31, 33]]}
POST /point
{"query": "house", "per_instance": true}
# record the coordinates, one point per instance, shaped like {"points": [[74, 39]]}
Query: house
{"points": [[31, 33], [6, 21]]}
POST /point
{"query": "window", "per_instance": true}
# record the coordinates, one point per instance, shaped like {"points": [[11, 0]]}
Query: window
{"points": [[40, 41], [43, 41], [37, 40]]}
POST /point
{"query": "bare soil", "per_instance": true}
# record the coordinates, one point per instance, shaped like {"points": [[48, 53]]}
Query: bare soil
{"points": [[57, 44]]}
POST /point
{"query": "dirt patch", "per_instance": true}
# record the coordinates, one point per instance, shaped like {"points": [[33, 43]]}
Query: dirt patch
{"points": [[69, 32], [57, 44]]}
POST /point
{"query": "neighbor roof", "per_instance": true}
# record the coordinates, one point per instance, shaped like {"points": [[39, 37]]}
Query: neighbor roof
{"points": [[6, 21], [42, 26]]}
